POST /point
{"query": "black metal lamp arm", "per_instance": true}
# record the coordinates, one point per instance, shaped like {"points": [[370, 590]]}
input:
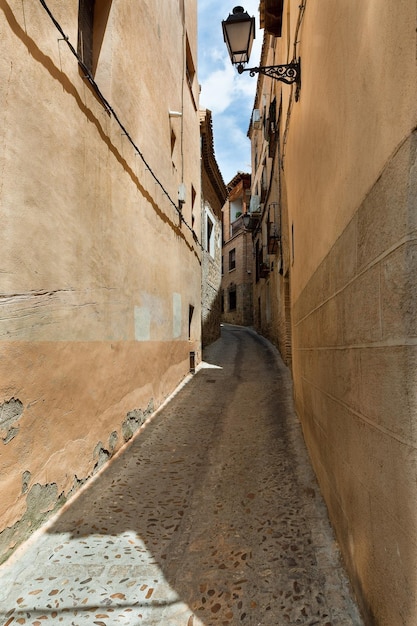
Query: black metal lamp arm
{"points": [[290, 73]]}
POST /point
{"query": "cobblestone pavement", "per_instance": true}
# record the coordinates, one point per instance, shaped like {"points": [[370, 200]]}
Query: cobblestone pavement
{"points": [[210, 516]]}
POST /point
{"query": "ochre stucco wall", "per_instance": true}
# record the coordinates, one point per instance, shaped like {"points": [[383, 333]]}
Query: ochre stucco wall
{"points": [[350, 175], [97, 272], [354, 330], [357, 106]]}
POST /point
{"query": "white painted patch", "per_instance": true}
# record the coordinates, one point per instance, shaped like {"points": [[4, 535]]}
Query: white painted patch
{"points": [[176, 315], [142, 324]]}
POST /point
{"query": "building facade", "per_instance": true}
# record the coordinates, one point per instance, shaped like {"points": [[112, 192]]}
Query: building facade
{"points": [[271, 258], [213, 196], [236, 284], [100, 265], [338, 158]]}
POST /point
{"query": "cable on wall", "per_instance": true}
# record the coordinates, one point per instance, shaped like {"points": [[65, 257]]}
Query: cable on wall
{"points": [[302, 8], [111, 110]]}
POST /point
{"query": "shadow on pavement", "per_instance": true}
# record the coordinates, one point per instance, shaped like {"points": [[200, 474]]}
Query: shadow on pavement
{"points": [[203, 519]]}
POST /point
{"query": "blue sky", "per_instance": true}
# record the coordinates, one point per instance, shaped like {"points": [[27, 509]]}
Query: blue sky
{"points": [[228, 95]]}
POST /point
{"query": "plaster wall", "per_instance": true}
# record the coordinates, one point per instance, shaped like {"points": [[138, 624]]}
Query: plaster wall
{"points": [[271, 290], [356, 107], [237, 238], [349, 161], [211, 279], [239, 278], [97, 271], [213, 194]]}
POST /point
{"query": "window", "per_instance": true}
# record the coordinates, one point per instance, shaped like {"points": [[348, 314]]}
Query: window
{"points": [[85, 32], [264, 182], [93, 16], [232, 298], [273, 128], [210, 236], [232, 259], [236, 209], [173, 141], [190, 69], [193, 197], [258, 260], [292, 244], [190, 319]]}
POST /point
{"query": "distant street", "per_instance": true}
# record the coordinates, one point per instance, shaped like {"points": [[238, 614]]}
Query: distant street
{"points": [[210, 517]]}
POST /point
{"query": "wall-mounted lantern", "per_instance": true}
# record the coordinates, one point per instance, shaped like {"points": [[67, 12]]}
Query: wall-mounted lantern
{"points": [[239, 33], [246, 218]]}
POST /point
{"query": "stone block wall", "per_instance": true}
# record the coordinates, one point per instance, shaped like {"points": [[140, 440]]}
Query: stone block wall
{"points": [[355, 380], [272, 313], [99, 273], [239, 278], [242, 315]]}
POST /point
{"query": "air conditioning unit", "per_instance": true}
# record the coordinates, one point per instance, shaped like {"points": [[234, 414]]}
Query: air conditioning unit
{"points": [[256, 118]]}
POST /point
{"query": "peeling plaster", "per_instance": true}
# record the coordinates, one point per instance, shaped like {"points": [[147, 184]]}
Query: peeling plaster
{"points": [[10, 412], [113, 439], [41, 502], [77, 484], [26, 478], [102, 455], [44, 500], [134, 420]]}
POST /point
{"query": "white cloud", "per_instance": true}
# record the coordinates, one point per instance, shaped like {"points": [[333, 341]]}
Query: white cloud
{"points": [[218, 90], [227, 94], [232, 146]]}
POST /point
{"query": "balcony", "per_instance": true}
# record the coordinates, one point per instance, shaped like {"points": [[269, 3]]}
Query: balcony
{"points": [[271, 16], [237, 225], [264, 270]]}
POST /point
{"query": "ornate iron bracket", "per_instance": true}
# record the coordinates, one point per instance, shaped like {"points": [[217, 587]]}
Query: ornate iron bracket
{"points": [[289, 74]]}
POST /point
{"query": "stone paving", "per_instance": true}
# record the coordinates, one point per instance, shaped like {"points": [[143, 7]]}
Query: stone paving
{"points": [[211, 516]]}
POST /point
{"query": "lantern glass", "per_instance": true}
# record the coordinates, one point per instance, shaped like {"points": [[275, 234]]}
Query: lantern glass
{"points": [[239, 33]]}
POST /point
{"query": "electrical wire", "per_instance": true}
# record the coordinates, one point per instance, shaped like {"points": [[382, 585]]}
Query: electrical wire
{"points": [[111, 110], [302, 8]]}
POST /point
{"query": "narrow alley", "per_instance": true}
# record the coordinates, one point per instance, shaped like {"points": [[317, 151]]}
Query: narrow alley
{"points": [[210, 516]]}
